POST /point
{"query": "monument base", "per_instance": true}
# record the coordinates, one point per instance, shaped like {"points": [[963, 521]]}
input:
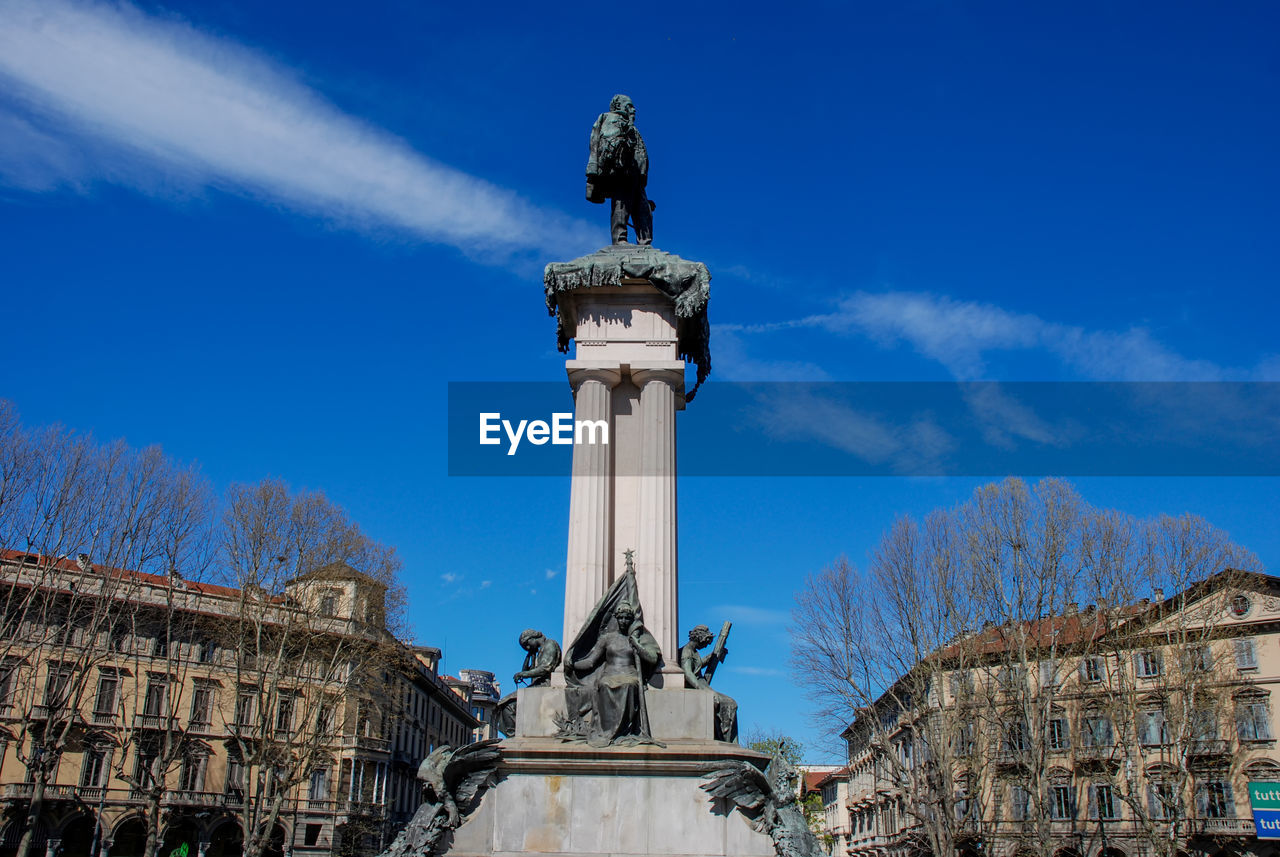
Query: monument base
{"points": [[679, 714], [571, 800]]}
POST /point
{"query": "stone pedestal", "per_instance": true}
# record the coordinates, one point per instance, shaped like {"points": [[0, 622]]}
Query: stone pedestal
{"points": [[575, 801]]}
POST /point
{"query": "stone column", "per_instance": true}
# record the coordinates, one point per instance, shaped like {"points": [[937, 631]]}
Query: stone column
{"points": [[656, 573], [590, 501]]}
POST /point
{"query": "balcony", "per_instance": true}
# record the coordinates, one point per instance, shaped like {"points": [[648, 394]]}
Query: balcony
{"points": [[1096, 752], [158, 722], [323, 807], [194, 798], [366, 742], [360, 807], [1208, 747], [23, 791], [1226, 826]]}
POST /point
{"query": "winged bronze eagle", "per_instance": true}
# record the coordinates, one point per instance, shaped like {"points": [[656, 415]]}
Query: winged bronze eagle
{"points": [[452, 783], [768, 801]]}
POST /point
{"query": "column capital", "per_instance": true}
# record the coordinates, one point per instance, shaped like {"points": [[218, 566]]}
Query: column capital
{"points": [[669, 375], [610, 376]]}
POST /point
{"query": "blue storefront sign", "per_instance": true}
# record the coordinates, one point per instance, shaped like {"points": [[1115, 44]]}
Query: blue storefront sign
{"points": [[1268, 823]]}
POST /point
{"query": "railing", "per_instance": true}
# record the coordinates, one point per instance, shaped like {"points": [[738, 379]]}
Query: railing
{"points": [[102, 718], [366, 742], [51, 791], [359, 807], [1226, 826], [1095, 752], [322, 805], [153, 721], [1208, 747], [183, 797]]}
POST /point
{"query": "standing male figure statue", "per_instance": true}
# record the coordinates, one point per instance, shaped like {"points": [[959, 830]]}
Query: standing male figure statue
{"points": [[618, 170]]}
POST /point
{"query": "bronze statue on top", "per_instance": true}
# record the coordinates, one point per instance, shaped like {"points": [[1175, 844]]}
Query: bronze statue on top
{"points": [[618, 170]]}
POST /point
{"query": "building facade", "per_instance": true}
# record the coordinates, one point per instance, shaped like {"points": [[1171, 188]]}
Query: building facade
{"points": [[131, 702], [1103, 732], [485, 692]]}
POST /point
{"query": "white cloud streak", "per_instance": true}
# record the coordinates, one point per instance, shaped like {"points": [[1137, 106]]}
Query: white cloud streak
{"points": [[962, 334], [102, 92]]}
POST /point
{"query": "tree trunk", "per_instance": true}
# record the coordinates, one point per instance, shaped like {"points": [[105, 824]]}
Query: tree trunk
{"points": [[153, 825], [33, 817]]}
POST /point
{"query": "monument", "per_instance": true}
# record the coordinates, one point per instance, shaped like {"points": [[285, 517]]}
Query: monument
{"points": [[621, 747]]}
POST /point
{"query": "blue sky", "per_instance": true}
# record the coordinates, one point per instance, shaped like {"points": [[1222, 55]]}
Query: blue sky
{"points": [[265, 236]]}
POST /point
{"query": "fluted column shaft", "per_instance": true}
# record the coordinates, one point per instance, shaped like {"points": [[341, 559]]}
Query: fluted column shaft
{"points": [[656, 572], [590, 500]]}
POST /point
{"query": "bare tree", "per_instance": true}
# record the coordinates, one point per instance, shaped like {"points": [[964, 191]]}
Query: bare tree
{"points": [[62, 495], [309, 673], [964, 664]]}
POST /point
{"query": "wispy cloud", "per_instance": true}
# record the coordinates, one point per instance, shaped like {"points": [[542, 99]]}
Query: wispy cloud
{"points": [[485, 584], [449, 577], [100, 92], [961, 335], [551, 573]]}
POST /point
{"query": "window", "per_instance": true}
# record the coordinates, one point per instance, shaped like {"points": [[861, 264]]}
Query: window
{"points": [[1162, 800], [328, 605], [324, 719], [311, 836], [1240, 605], [202, 705], [245, 708], [56, 686], [962, 683], [235, 777], [1200, 659], [193, 767], [319, 788], [1204, 724], [1015, 739], [1095, 731], [1059, 734], [7, 674], [161, 647], [1246, 654], [1253, 719], [1091, 669], [1103, 802], [1048, 673], [1019, 802], [284, 715], [1147, 664], [1062, 802], [144, 765], [1012, 677], [105, 701], [1153, 730], [155, 703], [206, 651], [1214, 800], [96, 769]]}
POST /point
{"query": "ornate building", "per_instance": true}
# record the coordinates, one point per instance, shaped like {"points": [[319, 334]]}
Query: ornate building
{"points": [[131, 701], [1104, 732]]}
